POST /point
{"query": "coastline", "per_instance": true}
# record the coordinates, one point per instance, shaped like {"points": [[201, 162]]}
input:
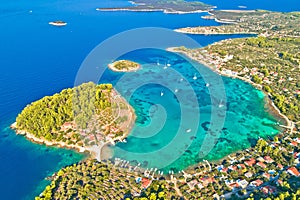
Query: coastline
{"points": [[37, 140], [94, 151], [151, 10], [111, 66], [270, 103], [186, 31]]}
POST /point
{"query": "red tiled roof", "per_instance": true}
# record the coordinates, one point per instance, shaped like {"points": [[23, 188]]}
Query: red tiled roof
{"points": [[268, 159], [280, 182], [208, 180], [293, 171], [241, 166], [145, 182], [233, 185], [266, 175], [250, 162], [268, 189], [294, 143], [225, 169], [279, 166], [257, 182], [261, 164]]}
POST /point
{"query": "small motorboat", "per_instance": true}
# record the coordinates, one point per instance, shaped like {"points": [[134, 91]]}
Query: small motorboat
{"points": [[188, 130]]}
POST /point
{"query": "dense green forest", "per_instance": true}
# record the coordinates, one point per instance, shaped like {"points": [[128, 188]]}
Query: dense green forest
{"points": [[44, 118], [96, 180]]}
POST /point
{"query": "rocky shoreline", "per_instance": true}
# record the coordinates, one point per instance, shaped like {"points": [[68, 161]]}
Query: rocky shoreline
{"points": [[37, 140]]}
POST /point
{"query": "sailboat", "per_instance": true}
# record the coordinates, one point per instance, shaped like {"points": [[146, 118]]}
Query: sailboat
{"points": [[161, 93], [221, 104], [195, 77], [168, 65], [176, 90], [165, 67]]}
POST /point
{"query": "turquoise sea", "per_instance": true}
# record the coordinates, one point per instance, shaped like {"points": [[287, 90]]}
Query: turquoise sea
{"points": [[37, 60], [162, 138]]}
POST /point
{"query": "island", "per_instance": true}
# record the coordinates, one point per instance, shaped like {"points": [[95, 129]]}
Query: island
{"points": [[259, 22], [84, 118], [166, 6], [58, 23], [124, 66]]}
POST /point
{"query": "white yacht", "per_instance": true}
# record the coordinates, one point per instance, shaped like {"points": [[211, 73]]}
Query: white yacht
{"points": [[195, 77]]}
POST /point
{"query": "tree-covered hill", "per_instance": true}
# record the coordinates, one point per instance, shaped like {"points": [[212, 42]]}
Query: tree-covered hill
{"points": [[45, 117]]}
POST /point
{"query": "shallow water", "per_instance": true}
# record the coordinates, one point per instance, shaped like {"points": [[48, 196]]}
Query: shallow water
{"points": [[162, 138], [37, 60]]}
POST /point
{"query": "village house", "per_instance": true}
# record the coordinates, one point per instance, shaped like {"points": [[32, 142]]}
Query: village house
{"points": [[232, 184], [266, 175], [250, 162], [267, 190], [261, 159], [256, 183], [248, 174], [241, 166], [266, 80], [294, 143], [68, 125], [279, 182], [224, 170], [232, 167], [262, 165], [268, 159], [279, 166], [242, 183], [145, 182], [207, 180], [293, 171]]}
